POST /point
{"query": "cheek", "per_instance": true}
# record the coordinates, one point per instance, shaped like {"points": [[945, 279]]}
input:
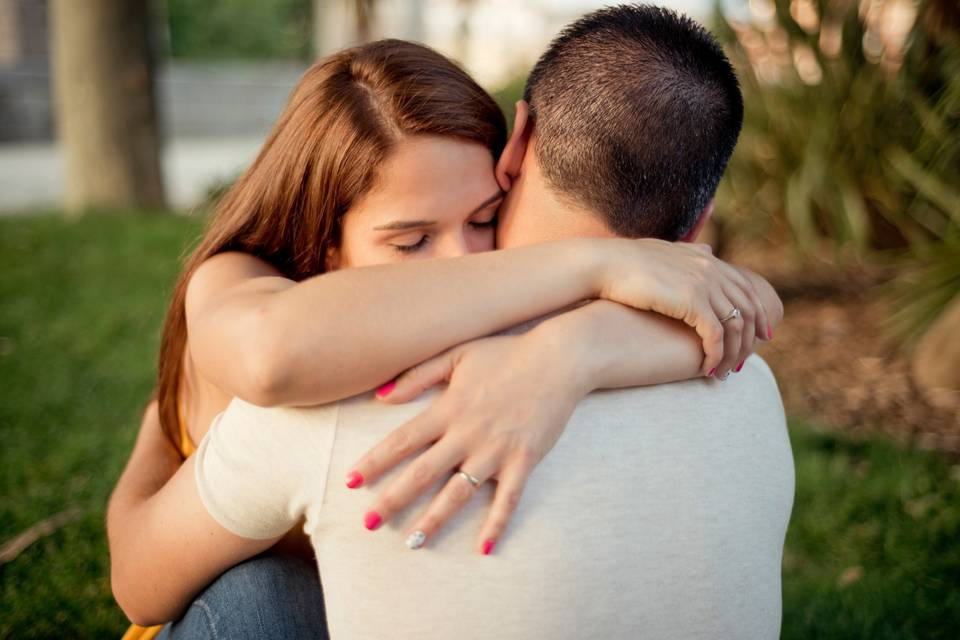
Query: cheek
{"points": [[364, 254]]}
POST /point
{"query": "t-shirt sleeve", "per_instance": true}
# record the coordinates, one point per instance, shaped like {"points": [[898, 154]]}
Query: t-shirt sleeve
{"points": [[257, 468]]}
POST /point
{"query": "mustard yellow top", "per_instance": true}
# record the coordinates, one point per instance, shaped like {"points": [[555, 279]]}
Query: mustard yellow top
{"points": [[186, 447]]}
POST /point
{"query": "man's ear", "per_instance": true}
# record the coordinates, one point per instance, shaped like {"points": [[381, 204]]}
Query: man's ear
{"points": [[698, 225], [511, 160]]}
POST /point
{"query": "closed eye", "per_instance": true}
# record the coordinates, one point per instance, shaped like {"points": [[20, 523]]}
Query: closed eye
{"points": [[492, 222], [410, 248]]}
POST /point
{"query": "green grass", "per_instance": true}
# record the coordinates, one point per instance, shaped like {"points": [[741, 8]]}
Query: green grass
{"points": [[80, 310], [82, 304], [893, 513]]}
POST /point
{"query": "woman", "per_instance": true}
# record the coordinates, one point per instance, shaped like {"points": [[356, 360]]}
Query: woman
{"points": [[383, 157]]}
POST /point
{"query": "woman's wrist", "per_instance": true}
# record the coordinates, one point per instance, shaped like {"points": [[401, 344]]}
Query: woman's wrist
{"points": [[591, 259], [561, 346], [612, 261]]}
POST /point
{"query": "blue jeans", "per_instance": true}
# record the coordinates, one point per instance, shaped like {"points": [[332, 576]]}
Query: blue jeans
{"points": [[269, 596]]}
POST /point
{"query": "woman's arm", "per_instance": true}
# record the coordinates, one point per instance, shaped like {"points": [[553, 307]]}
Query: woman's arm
{"points": [[164, 546], [272, 341], [510, 398], [608, 346]]}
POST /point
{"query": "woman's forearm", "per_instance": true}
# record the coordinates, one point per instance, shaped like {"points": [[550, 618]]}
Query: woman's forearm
{"points": [[169, 549], [164, 546], [607, 345], [152, 463], [347, 331]]}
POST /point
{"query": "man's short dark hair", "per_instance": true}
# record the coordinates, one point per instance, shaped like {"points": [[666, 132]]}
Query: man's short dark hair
{"points": [[636, 112]]}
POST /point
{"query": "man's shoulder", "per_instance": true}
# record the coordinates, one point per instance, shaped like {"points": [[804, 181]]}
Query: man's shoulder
{"points": [[762, 368]]}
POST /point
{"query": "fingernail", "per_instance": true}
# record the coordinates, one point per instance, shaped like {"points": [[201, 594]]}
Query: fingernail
{"points": [[372, 520], [385, 389], [488, 546], [354, 479], [739, 366], [769, 332], [416, 539], [712, 371]]}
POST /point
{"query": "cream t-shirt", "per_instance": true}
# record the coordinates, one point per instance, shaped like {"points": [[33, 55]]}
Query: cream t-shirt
{"points": [[660, 513]]}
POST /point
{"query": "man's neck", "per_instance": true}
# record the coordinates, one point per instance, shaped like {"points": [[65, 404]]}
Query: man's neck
{"points": [[533, 212]]}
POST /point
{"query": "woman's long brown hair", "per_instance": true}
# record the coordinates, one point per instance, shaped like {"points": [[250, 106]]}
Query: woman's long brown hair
{"points": [[341, 121]]}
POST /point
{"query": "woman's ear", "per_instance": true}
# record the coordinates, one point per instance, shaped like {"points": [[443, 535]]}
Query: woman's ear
{"points": [[699, 224], [511, 160], [331, 261]]}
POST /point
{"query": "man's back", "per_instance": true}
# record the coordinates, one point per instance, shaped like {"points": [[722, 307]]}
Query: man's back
{"points": [[660, 513]]}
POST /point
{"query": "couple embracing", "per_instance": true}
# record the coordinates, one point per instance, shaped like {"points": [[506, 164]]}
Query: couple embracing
{"points": [[474, 385]]}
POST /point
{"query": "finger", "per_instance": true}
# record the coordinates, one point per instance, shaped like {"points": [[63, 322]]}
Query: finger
{"points": [[748, 324], [711, 331], [396, 446], [454, 495], [414, 381], [414, 480], [706, 321], [761, 320], [732, 328], [510, 486]]}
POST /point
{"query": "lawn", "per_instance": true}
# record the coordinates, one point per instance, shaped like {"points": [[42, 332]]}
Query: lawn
{"points": [[873, 549]]}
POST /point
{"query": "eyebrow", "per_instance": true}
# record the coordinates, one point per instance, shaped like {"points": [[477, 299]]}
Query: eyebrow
{"points": [[400, 225]]}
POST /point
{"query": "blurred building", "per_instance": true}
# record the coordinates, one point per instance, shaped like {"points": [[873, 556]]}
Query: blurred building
{"points": [[25, 105], [205, 99], [214, 113], [495, 40]]}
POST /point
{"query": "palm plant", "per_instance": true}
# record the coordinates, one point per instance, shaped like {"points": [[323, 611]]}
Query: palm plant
{"points": [[851, 139]]}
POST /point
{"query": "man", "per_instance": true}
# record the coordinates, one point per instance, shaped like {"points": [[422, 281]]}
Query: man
{"points": [[661, 511]]}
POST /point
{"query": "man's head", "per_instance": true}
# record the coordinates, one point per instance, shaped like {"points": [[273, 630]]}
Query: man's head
{"points": [[626, 127]]}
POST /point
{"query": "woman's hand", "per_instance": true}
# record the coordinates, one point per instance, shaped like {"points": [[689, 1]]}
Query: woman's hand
{"points": [[686, 282], [510, 398], [507, 403]]}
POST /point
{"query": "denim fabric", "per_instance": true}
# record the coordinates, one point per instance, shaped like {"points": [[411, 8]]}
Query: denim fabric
{"points": [[270, 596]]}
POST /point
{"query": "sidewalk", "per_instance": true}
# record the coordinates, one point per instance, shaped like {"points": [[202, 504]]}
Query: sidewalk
{"points": [[31, 175]]}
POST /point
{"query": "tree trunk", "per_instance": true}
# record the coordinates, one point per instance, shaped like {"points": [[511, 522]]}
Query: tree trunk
{"points": [[105, 106]]}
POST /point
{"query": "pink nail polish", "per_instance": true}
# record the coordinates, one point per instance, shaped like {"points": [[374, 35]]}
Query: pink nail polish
{"points": [[488, 546], [712, 371], [372, 520], [769, 332], [739, 366], [354, 479], [385, 389]]}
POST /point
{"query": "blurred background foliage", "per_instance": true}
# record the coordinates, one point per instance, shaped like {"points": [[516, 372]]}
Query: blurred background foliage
{"points": [[240, 29], [850, 149]]}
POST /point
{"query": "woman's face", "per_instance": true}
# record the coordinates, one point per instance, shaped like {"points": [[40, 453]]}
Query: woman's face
{"points": [[434, 197]]}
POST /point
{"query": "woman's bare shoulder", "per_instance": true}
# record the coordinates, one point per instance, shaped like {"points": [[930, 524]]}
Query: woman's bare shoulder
{"points": [[231, 266], [223, 272]]}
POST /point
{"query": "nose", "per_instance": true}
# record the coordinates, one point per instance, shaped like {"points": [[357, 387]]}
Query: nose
{"points": [[453, 245]]}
